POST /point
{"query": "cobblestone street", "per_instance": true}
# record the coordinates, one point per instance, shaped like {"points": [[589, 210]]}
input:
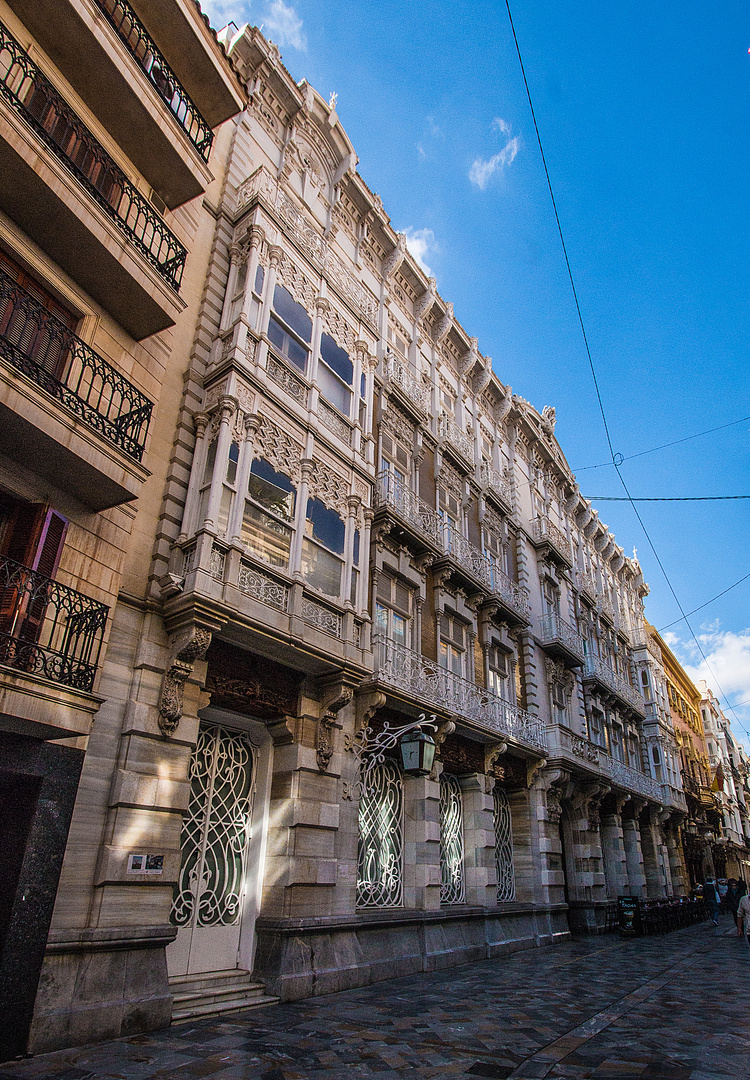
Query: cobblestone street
{"points": [[669, 1008]]}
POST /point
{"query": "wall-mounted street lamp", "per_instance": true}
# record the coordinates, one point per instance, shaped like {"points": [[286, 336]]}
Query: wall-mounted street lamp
{"points": [[416, 747]]}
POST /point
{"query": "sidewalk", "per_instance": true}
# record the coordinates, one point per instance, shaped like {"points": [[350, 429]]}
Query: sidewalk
{"points": [[668, 1008]]}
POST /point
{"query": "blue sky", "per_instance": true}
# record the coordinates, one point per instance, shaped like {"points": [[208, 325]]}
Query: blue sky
{"points": [[643, 111]]}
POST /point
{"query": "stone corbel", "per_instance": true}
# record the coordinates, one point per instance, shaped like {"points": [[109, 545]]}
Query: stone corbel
{"points": [[188, 648], [367, 705], [492, 753], [337, 697], [532, 768]]}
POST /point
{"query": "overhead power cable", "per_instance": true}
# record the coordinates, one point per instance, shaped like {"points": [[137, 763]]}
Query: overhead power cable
{"points": [[666, 498], [617, 459], [663, 446], [702, 606]]}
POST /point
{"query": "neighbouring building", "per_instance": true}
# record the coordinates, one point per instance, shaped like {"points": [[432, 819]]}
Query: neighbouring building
{"points": [[730, 847], [348, 531], [106, 121]]}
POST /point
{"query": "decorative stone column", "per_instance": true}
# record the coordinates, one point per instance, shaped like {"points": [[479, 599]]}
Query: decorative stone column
{"points": [[479, 839], [546, 806], [589, 887], [228, 407], [237, 513], [422, 841], [200, 453], [656, 884], [677, 869], [632, 843], [613, 846]]}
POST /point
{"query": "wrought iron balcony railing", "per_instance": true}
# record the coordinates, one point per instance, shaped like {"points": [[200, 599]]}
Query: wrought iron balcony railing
{"points": [[35, 99], [563, 740], [400, 374], [431, 684], [586, 582], [554, 629], [139, 44], [545, 531], [392, 492], [497, 483], [389, 491], [595, 668], [48, 353], [48, 629], [449, 430]]}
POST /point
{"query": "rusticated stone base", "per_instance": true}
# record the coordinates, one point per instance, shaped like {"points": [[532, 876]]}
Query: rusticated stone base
{"points": [[100, 984], [299, 958], [587, 917]]}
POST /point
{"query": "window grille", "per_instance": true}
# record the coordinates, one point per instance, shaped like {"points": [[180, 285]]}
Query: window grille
{"points": [[452, 884], [506, 878], [215, 830], [380, 877]]}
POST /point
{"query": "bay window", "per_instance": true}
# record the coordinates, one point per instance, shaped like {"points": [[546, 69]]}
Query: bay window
{"points": [[335, 374], [393, 610], [290, 329], [323, 548], [267, 522]]}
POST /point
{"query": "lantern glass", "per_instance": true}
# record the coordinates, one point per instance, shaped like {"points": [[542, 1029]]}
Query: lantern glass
{"points": [[417, 753]]}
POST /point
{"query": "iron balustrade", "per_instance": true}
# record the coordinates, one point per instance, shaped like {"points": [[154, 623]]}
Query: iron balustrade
{"points": [[40, 346], [497, 483], [398, 373], [449, 430], [139, 44], [34, 98], [47, 628], [424, 679], [595, 668], [563, 740], [390, 491], [544, 530], [553, 629]]}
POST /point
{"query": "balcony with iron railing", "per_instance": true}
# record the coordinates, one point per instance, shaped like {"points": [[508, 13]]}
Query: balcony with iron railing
{"points": [[545, 534], [459, 440], [68, 210], [88, 390], [47, 629], [578, 750], [561, 639], [465, 557], [424, 681], [585, 582], [399, 374], [599, 671], [498, 484]]}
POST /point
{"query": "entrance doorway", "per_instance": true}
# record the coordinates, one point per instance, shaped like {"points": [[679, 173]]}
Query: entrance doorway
{"points": [[217, 896]]}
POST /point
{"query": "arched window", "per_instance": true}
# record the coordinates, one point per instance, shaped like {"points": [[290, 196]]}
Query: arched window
{"points": [[452, 884], [381, 838], [506, 878]]}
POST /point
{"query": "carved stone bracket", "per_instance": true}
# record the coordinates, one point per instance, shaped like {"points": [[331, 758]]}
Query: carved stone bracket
{"points": [[189, 647], [341, 696]]}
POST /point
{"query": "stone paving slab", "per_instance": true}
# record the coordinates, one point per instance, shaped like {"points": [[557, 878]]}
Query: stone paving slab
{"points": [[675, 1007]]}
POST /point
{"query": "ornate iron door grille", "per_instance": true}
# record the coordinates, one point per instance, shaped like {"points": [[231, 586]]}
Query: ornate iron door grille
{"points": [[452, 886], [215, 831], [380, 860], [506, 878]]}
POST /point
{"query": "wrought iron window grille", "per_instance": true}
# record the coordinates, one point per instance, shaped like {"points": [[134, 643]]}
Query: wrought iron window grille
{"points": [[40, 346], [47, 628], [452, 881], [139, 44], [34, 98], [380, 850], [370, 748]]}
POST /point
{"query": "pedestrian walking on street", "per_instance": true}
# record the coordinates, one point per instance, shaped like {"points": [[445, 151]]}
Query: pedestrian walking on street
{"points": [[711, 896], [734, 895], [722, 886], [743, 916]]}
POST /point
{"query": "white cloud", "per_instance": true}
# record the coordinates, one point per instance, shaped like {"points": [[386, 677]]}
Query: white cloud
{"points": [[420, 243], [726, 668], [282, 23], [501, 125], [221, 12], [482, 171]]}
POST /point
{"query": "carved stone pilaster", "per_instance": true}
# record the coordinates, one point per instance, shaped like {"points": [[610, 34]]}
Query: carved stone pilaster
{"points": [[189, 647]]}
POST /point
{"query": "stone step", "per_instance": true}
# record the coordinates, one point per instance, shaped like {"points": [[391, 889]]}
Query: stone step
{"points": [[216, 992], [212, 980]]}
